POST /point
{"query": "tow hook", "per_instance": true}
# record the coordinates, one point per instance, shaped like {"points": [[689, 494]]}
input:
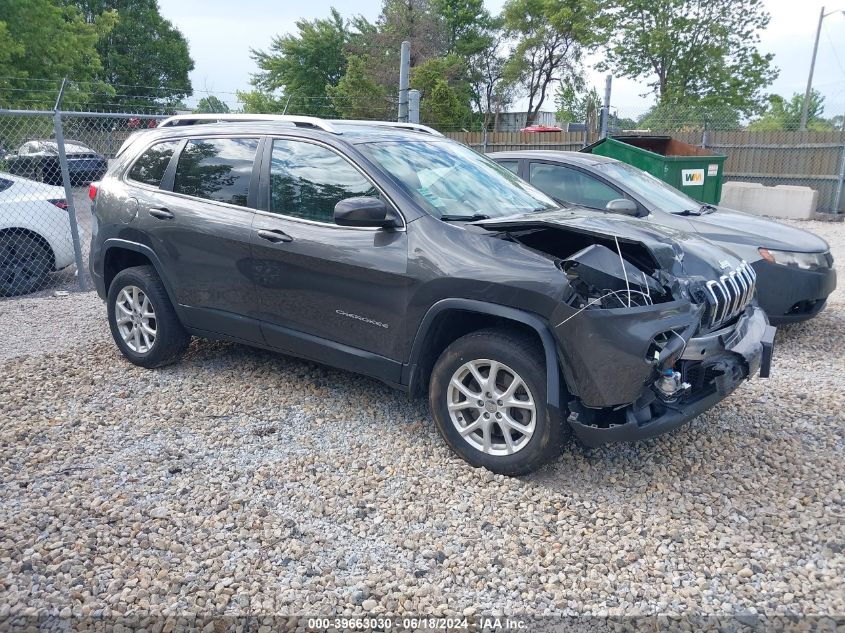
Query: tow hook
{"points": [[671, 385]]}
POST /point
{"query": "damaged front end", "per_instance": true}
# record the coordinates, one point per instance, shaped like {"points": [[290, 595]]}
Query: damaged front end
{"points": [[653, 328]]}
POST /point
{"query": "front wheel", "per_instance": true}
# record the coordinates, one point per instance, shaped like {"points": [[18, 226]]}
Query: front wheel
{"points": [[142, 320], [488, 398]]}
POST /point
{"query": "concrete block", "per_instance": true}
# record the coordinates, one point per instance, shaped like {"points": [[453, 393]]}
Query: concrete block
{"points": [[781, 201]]}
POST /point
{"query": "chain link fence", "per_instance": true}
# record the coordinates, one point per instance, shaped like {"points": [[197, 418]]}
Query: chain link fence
{"points": [[47, 162], [48, 157]]}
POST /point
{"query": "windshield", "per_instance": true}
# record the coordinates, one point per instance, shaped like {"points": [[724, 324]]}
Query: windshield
{"points": [[451, 181], [654, 192]]}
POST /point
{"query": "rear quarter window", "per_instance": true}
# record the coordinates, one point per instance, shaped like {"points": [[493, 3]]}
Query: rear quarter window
{"points": [[216, 169], [150, 166]]}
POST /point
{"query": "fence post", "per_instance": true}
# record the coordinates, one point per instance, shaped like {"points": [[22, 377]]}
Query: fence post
{"points": [[837, 198], [71, 207], [413, 106]]}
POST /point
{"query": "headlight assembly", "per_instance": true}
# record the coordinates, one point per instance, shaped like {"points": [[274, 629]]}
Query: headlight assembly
{"points": [[796, 260]]}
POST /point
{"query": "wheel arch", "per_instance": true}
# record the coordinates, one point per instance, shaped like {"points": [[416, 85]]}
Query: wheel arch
{"points": [[449, 319], [35, 235], [120, 254]]}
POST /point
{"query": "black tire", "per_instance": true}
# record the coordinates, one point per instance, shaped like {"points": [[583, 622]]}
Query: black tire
{"points": [[25, 261], [170, 341], [521, 355]]}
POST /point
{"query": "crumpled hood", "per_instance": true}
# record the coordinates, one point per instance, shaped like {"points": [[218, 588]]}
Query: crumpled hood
{"points": [[681, 253], [735, 227]]}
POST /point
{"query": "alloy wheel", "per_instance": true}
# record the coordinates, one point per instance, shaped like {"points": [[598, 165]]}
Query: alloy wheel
{"points": [[136, 319], [492, 407]]}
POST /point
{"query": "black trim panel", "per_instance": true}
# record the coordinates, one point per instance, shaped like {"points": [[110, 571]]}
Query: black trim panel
{"points": [[328, 352], [410, 374]]}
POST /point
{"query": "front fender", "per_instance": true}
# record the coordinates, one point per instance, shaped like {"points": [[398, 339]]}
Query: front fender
{"points": [[411, 371]]}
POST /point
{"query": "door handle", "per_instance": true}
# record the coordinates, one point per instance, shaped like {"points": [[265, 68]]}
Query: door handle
{"points": [[161, 213], [274, 236]]}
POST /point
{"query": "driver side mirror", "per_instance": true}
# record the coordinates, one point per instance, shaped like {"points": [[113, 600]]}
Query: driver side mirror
{"points": [[623, 206], [364, 212]]}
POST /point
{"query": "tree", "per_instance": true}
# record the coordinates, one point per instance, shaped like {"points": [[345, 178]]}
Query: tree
{"points": [[303, 64], [357, 95], [416, 21], [144, 56], [444, 92], [491, 91], [211, 104], [465, 24], [380, 42], [43, 40], [692, 51], [786, 115], [261, 102], [443, 108], [685, 116], [573, 104], [550, 36]]}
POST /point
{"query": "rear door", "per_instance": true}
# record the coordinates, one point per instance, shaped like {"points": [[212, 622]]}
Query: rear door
{"points": [[328, 292], [199, 221]]}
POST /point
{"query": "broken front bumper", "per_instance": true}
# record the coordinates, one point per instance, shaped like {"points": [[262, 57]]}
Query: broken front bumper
{"points": [[714, 365]]}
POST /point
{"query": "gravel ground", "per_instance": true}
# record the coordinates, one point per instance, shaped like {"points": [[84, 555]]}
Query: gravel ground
{"points": [[244, 482]]}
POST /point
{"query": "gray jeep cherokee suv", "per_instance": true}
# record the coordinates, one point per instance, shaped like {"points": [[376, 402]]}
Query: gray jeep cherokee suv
{"points": [[404, 256]]}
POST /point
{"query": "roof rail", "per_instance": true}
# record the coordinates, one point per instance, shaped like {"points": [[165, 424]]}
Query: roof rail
{"points": [[199, 119], [417, 127]]}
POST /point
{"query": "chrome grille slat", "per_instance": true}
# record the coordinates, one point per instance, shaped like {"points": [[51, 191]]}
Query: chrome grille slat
{"points": [[749, 284], [730, 294], [743, 286], [737, 295]]}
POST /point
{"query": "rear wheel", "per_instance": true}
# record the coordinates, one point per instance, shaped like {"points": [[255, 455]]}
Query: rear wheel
{"points": [[488, 398], [142, 320], [25, 262]]}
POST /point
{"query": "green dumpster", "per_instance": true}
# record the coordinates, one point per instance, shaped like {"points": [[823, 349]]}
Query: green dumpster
{"points": [[696, 171]]}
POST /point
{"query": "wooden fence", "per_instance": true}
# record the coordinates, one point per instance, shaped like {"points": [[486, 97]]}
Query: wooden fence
{"points": [[811, 159]]}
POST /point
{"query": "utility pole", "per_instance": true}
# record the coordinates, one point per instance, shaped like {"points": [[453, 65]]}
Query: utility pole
{"points": [[404, 74], [805, 106], [605, 109]]}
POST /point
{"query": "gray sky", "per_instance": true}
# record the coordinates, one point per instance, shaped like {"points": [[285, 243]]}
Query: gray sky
{"points": [[220, 34]]}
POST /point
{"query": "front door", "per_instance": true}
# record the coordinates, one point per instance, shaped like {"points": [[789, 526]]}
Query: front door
{"points": [[326, 291]]}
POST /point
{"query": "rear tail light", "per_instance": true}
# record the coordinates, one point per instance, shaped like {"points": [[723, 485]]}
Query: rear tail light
{"points": [[62, 203], [92, 190]]}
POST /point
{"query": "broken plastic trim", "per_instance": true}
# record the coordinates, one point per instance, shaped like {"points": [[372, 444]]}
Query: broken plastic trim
{"points": [[601, 278]]}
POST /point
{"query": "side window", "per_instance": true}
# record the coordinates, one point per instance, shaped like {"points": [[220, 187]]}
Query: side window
{"points": [[308, 180], [511, 165], [571, 185], [216, 169], [5, 184], [149, 167]]}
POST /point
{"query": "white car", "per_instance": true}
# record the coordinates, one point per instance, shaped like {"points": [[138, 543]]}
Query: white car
{"points": [[35, 237]]}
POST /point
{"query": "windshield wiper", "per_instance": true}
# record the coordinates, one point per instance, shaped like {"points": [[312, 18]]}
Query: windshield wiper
{"points": [[690, 212], [707, 208], [464, 218]]}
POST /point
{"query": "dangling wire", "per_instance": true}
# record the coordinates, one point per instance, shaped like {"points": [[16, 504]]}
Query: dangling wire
{"points": [[624, 271]]}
